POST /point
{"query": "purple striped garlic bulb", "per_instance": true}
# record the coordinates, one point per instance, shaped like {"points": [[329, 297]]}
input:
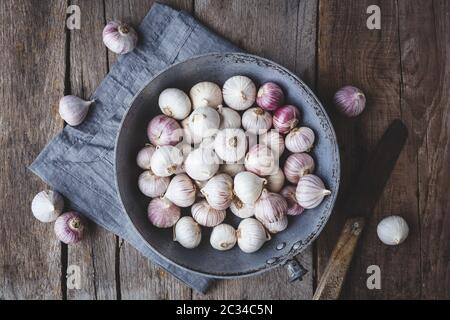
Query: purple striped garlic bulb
{"points": [[119, 37], [297, 165], [294, 209], [271, 210], [350, 101], [270, 96], [162, 213], [310, 191], [69, 227]]}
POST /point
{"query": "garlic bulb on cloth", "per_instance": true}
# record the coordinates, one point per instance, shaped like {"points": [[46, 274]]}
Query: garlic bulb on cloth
{"points": [[300, 139], [206, 215], [174, 103], [181, 191], [239, 92], [47, 205], [162, 213], [223, 237], [187, 232], [230, 144], [119, 37], [166, 160], [73, 110], [251, 235], [204, 122], [218, 191], [248, 187], [392, 230], [228, 118], [310, 191], [201, 164], [256, 121], [261, 160], [206, 94], [151, 185]]}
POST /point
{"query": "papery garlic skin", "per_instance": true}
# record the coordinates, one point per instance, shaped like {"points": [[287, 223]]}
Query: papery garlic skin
{"points": [[73, 109], [166, 161], [300, 140], [297, 165], [232, 169], [310, 191], [163, 131], [270, 96], [261, 160], [206, 94], [207, 216], [151, 185], [218, 191], [277, 226], [275, 181], [239, 92], [270, 207], [229, 118], [204, 122], [392, 230], [242, 210], [350, 101], [248, 186], [256, 121], [47, 205], [187, 232], [162, 213], [174, 103], [274, 140], [202, 164], [181, 191], [223, 237], [144, 157], [286, 118], [119, 37], [251, 235], [69, 227], [294, 209], [230, 144], [188, 136]]}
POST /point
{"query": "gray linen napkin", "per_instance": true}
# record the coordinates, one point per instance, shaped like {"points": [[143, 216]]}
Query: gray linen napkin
{"points": [[78, 162]]}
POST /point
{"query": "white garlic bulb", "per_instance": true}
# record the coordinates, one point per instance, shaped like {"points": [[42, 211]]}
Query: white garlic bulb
{"points": [[274, 140], [206, 215], [241, 209], [248, 186], [181, 191], [119, 37], [392, 230], [187, 232], [218, 191], [277, 226], [204, 122], [229, 118], [239, 92], [188, 135], [201, 164], [275, 181], [300, 140], [206, 94], [310, 191], [256, 120], [271, 210], [232, 169], [174, 103], [151, 185], [144, 157], [223, 237], [251, 235], [73, 110], [230, 144], [297, 165], [166, 160], [162, 213], [261, 160], [47, 205]]}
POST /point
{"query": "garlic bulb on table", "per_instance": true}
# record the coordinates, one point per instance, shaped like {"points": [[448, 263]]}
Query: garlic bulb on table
{"points": [[240, 209], [300, 139], [294, 209], [151, 185], [239, 92], [275, 181], [270, 209], [261, 160], [181, 191], [119, 37], [204, 121], [248, 187], [202, 164], [229, 118], [166, 160], [256, 121], [73, 110], [230, 144], [223, 237], [174, 103], [392, 230], [274, 140], [297, 165], [350, 101], [162, 213], [251, 235], [187, 232], [310, 191], [218, 191], [206, 215], [206, 94], [144, 157], [47, 205], [232, 169], [163, 131], [69, 227]]}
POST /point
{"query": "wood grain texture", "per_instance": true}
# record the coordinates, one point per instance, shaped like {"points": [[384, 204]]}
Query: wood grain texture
{"points": [[425, 53], [349, 53], [140, 278], [268, 29], [32, 81]]}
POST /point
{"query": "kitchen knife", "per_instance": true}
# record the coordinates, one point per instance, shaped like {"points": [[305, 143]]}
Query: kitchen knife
{"points": [[360, 204]]}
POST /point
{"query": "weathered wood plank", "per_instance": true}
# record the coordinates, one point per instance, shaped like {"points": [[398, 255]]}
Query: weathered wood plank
{"points": [[139, 278], [425, 47], [32, 80], [285, 32], [350, 53]]}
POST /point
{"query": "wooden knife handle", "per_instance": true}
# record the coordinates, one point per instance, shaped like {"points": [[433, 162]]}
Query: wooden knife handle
{"points": [[330, 284]]}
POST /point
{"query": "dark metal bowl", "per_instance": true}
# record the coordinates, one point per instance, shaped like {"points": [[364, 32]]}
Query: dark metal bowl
{"points": [[302, 230]]}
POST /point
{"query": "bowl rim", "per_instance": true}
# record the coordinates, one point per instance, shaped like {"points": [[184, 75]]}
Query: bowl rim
{"points": [[291, 254]]}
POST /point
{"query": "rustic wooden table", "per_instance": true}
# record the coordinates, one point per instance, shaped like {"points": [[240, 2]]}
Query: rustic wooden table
{"points": [[404, 68]]}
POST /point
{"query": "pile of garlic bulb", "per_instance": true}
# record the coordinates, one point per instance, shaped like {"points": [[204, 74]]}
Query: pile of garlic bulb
{"points": [[215, 149]]}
